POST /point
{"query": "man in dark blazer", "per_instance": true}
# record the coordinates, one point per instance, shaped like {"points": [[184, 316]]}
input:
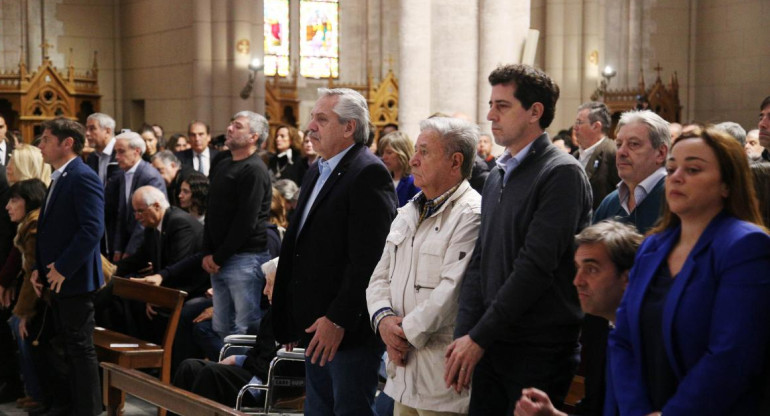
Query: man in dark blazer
{"points": [[129, 148], [199, 157], [100, 134], [336, 238], [170, 236], [68, 260], [597, 151]]}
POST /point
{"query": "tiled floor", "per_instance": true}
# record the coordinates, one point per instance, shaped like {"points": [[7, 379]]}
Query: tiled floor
{"points": [[134, 407]]}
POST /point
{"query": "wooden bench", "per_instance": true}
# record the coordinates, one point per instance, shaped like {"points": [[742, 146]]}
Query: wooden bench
{"points": [[127, 351], [118, 381]]}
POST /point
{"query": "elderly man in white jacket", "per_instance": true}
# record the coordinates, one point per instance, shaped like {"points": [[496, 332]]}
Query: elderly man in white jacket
{"points": [[412, 296]]}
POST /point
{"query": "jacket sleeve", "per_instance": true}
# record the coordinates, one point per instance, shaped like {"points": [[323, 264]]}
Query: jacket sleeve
{"points": [[440, 309], [373, 206], [740, 325], [471, 301], [550, 235]]}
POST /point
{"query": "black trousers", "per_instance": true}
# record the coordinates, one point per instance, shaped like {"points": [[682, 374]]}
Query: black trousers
{"points": [[217, 382], [74, 322], [506, 369]]}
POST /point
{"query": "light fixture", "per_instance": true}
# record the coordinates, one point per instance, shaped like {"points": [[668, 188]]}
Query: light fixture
{"points": [[608, 73], [255, 66]]}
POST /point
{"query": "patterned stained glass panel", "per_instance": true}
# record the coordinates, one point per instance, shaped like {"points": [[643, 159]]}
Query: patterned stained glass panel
{"points": [[277, 37], [319, 38]]}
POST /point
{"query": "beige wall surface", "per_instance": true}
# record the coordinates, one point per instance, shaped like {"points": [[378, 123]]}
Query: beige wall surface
{"points": [[732, 60], [171, 61]]}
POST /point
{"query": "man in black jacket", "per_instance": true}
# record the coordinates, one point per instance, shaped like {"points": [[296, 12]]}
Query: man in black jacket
{"points": [[343, 216], [519, 316]]}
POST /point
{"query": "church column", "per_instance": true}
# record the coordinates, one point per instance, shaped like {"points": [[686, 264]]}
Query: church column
{"points": [[414, 76], [241, 49], [564, 60], [202, 65], [454, 52], [220, 76], [503, 28]]}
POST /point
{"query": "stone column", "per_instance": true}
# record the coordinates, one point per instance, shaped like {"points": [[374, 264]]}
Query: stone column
{"points": [[220, 75], [564, 58], [454, 53], [415, 65], [240, 56], [503, 27], [202, 65]]}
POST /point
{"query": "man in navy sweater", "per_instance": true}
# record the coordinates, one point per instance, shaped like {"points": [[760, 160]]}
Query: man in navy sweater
{"points": [[519, 315]]}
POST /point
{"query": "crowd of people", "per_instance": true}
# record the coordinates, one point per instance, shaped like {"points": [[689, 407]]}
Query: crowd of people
{"points": [[469, 282]]}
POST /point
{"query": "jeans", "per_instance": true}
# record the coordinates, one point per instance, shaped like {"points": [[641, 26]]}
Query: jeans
{"points": [[345, 385], [238, 294], [26, 361]]}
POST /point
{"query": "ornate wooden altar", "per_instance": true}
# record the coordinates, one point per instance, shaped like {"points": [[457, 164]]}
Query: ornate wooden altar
{"points": [[27, 99], [662, 99], [282, 102]]}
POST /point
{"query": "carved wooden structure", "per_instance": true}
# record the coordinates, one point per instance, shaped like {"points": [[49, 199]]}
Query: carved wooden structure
{"points": [[660, 98], [29, 98]]}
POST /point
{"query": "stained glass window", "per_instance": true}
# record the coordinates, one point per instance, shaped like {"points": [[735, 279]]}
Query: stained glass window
{"points": [[319, 38], [277, 37]]}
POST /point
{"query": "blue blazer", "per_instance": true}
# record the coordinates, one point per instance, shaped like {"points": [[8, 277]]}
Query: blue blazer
{"points": [[716, 321], [406, 190], [129, 233], [70, 228]]}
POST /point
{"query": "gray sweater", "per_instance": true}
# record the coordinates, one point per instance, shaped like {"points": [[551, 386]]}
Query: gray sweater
{"points": [[518, 286]]}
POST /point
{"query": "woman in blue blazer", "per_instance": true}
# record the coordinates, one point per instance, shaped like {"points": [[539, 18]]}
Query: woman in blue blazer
{"points": [[693, 326]]}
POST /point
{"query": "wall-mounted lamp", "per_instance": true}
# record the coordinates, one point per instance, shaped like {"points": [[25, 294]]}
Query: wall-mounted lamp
{"points": [[608, 73], [255, 66]]}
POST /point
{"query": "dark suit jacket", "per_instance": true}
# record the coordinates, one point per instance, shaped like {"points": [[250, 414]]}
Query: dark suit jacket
{"points": [[181, 236], [326, 267], [70, 228], [716, 322], [128, 232], [186, 159], [110, 198], [602, 171]]}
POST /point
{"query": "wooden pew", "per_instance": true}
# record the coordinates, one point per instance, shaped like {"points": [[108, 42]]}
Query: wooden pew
{"points": [[131, 352], [119, 380]]}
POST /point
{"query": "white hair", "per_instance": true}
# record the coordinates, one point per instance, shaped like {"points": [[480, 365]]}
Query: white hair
{"points": [[150, 195], [134, 140]]}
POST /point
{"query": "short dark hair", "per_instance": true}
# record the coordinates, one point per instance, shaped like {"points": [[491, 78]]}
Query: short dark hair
{"points": [[63, 128], [532, 86], [598, 111], [765, 103], [32, 191]]}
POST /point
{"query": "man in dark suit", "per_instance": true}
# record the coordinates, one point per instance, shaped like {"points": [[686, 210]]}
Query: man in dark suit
{"points": [[129, 148], [343, 215], [199, 157], [100, 134], [597, 151], [170, 236], [68, 261]]}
